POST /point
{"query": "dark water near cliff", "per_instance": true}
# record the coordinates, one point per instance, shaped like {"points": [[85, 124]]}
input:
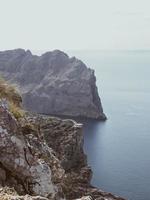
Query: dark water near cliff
{"points": [[119, 149]]}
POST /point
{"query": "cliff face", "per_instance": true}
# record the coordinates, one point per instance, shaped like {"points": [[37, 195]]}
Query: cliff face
{"points": [[22, 164], [42, 158], [53, 83]]}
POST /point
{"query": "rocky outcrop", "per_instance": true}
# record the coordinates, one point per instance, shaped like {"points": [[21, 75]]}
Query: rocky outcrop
{"points": [[53, 83], [42, 158], [7, 193], [24, 160], [65, 137]]}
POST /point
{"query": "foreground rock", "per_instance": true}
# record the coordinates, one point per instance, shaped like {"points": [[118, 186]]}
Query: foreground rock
{"points": [[53, 83], [10, 194], [42, 158], [22, 164]]}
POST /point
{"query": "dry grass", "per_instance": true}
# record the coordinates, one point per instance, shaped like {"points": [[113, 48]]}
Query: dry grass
{"points": [[10, 93], [17, 111]]}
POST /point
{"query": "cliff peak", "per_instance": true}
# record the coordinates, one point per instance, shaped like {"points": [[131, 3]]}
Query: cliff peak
{"points": [[53, 83]]}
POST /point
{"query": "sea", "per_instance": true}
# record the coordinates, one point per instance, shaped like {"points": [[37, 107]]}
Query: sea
{"points": [[118, 150]]}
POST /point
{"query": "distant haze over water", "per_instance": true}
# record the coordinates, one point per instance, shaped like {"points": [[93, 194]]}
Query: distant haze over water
{"points": [[118, 149]]}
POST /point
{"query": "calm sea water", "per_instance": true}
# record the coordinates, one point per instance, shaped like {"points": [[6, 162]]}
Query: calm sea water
{"points": [[119, 149]]}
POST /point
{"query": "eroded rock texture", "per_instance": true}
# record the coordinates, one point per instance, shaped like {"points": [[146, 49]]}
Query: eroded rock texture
{"points": [[21, 162], [53, 83], [42, 158]]}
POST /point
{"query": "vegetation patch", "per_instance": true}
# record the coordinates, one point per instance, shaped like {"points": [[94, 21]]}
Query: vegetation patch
{"points": [[10, 93]]}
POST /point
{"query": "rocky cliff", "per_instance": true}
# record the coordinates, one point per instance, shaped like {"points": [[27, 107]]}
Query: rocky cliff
{"points": [[42, 158], [53, 83]]}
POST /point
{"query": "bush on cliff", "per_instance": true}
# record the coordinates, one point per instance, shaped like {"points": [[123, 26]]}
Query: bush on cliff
{"points": [[10, 93]]}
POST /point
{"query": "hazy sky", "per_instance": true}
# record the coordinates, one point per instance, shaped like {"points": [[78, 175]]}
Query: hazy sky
{"points": [[75, 24]]}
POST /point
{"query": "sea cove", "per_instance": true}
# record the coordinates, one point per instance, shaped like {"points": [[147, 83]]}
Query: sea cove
{"points": [[118, 149]]}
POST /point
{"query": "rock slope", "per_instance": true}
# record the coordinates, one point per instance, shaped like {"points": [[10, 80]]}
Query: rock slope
{"points": [[53, 83], [42, 158]]}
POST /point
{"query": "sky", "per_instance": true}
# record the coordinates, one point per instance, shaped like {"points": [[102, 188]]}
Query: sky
{"points": [[75, 24]]}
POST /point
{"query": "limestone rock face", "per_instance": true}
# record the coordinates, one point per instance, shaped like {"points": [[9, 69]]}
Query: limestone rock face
{"points": [[53, 83], [22, 161], [65, 137], [42, 158]]}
